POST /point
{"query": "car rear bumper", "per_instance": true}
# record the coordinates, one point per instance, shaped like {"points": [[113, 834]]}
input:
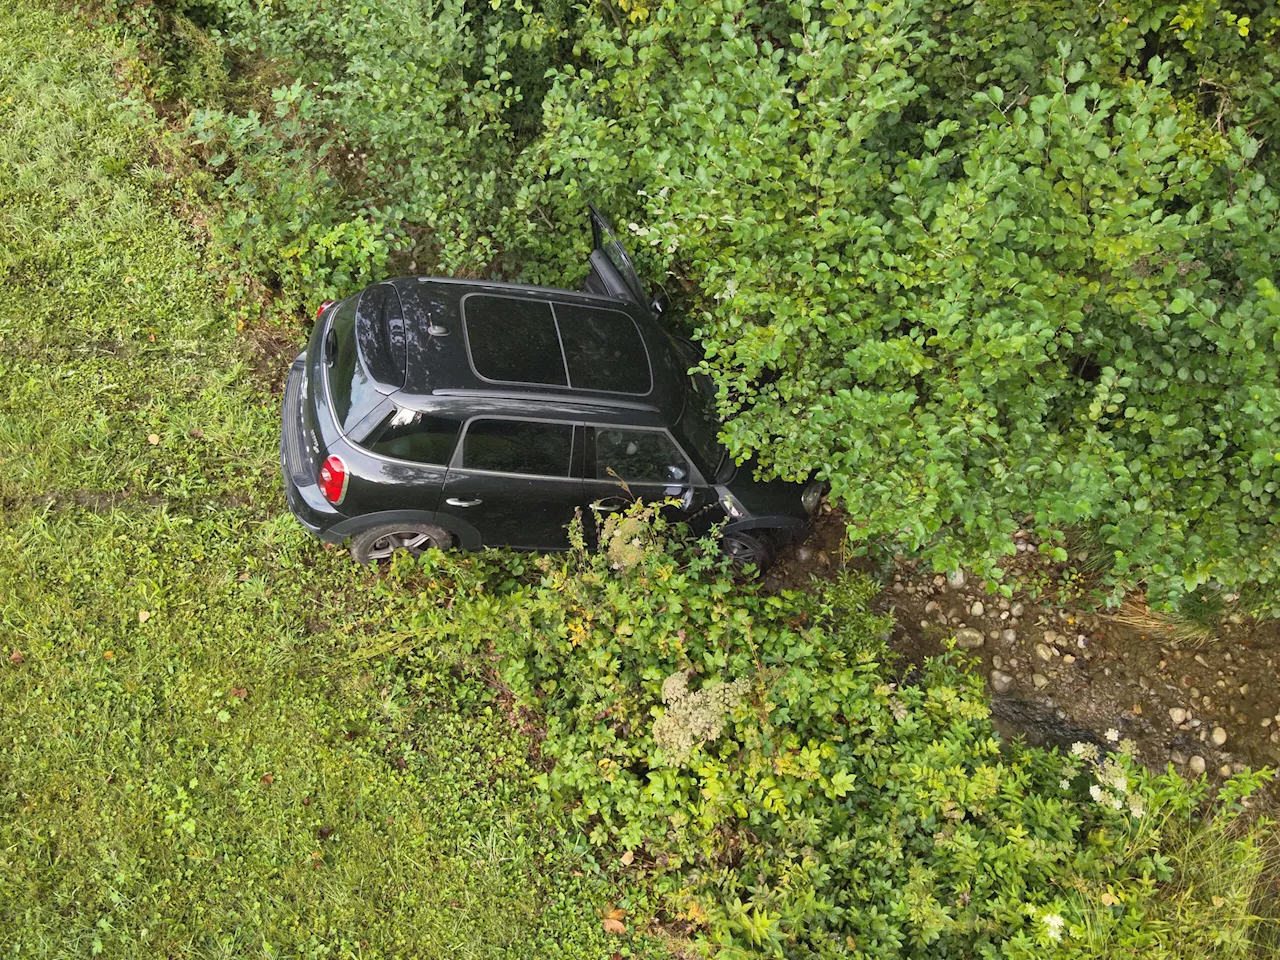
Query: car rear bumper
{"points": [[303, 495]]}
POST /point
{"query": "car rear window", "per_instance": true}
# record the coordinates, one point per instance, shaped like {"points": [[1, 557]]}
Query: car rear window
{"points": [[517, 340], [350, 386], [519, 446]]}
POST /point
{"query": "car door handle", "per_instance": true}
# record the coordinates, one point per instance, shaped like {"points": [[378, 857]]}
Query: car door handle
{"points": [[605, 507], [459, 502]]}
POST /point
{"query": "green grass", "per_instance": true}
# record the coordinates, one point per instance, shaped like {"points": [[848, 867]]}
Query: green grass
{"points": [[195, 761]]}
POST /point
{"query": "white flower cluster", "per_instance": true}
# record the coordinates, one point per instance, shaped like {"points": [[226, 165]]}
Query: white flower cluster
{"points": [[1112, 788], [693, 717], [1053, 924]]}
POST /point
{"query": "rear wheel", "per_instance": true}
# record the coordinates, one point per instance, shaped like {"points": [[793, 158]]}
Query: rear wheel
{"points": [[379, 544], [748, 549]]}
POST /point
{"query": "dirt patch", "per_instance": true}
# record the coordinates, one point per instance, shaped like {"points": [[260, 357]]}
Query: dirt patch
{"points": [[1206, 701], [271, 350]]}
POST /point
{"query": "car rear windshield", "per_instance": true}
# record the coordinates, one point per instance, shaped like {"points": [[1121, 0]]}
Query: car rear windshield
{"points": [[518, 340], [350, 386]]}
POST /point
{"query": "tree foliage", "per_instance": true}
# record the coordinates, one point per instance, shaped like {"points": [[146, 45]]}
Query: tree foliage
{"points": [[968, 260]]}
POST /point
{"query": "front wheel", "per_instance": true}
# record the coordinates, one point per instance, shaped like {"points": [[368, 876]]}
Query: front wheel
{"points": [[379, 544], [747, 549]]}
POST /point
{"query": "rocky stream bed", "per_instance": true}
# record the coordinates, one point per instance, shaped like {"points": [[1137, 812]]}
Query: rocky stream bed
{"points": [[1208, 704]]}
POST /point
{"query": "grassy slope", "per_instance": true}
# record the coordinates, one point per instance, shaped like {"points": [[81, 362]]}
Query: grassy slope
{"points": [[193, 762]]}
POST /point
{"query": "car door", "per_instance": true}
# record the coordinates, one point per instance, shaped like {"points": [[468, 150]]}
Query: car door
{"points": [[612, 272], [517, 481], [626, 464]]}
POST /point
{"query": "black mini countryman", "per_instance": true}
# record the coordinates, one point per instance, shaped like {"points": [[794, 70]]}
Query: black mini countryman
{"points": [[433, 413]]}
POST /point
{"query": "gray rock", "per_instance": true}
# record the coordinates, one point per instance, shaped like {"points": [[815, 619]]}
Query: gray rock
{"points": [[804, 554], [1196, 765], [1219, 736], [997, 661], [968, 638], [1017, 609], [1177, 715], [1009, 635], [1224, 770], [1043, 652], [1040, 680], [1001, 681], [1178, 757], [956, 579], [977, 609]]}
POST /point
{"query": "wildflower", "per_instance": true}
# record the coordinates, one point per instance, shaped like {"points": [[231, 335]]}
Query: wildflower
{"points": [[1113, 735], [1086, 751], [694, 717], [1064, 783], [1128, 747], [1096, 792], [1117, 802], [1053, 924], [1136, 808]]}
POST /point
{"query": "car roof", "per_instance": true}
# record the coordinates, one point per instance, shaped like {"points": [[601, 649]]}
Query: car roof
{"points": [[596, 357]]}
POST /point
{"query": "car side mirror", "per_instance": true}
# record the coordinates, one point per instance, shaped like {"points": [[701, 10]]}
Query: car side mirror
{"points": [[675, 472]]}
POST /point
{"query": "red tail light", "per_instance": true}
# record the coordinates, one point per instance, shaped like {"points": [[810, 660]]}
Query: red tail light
{"points": [[333, 479], [322, 308]]}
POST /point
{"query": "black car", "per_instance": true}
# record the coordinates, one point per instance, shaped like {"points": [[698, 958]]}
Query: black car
{"points": [[435, 412]]}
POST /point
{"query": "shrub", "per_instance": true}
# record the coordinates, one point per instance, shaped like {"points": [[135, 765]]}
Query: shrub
{"points": [[792, 795]]}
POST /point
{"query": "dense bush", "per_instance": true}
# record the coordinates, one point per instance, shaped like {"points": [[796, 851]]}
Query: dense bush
{"points": [[792, 796], [970, 260]]}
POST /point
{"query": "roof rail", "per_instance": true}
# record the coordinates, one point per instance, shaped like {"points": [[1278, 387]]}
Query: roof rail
{"points": [[577, 396]]}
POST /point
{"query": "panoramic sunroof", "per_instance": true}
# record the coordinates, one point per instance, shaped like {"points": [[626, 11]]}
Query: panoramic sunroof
{"points": [[515, 340]]}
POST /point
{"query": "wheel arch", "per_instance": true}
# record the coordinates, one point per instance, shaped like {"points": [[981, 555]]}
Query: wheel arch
{"points": [[468, 537], [790, 529]]}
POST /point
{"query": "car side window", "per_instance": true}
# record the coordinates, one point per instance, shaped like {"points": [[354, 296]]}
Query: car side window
{"points": [[419, 437], [638, 456], [519, 446]]}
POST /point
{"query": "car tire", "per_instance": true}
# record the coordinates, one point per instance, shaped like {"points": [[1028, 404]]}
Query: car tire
{"points": [[748, 549], [378, 544]]}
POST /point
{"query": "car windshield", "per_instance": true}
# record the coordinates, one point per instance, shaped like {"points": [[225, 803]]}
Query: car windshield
{"points": [[700, 426]]}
